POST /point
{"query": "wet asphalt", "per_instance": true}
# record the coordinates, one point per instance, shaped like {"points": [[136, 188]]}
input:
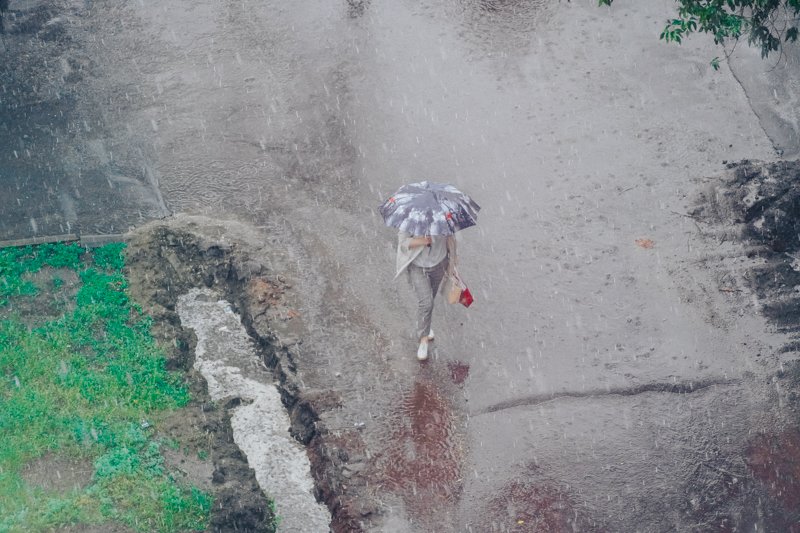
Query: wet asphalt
{"points": [[72, 164], [602, 381]]}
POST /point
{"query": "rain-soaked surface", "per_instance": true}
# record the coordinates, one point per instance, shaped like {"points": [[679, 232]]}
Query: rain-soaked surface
{"points": [[71, 161], [609, 376], [423, 461]]}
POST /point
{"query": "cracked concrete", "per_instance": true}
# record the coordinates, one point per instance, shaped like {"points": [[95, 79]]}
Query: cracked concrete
{"points": [[668, 387]]}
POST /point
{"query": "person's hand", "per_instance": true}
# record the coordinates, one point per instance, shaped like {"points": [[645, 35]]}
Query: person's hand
{"points": [[419, 242]]}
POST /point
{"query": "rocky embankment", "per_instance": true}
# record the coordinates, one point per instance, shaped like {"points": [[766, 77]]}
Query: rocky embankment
{"points": [[167, 259]]}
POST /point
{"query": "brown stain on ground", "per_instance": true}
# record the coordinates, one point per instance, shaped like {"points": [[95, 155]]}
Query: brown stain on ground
{"points": [[422, 463], [774, 460], [459, 372], [264, 291], [533, 507], [55, 473]]}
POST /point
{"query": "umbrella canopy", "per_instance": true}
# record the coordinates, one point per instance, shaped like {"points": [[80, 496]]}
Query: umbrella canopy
{"points": [[427, 208]]}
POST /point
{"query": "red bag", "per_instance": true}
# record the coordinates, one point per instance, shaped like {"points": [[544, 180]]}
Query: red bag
{"points": [[457, 290], [466, 298]]}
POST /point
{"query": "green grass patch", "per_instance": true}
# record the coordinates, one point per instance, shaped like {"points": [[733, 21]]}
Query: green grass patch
{"points": [[89, 385]]}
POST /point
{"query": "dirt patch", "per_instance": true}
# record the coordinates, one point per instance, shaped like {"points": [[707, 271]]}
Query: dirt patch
{"points": [[239, 503], [165, 260], [192, 458], [58, 474], [55, 296], [341, 470], [159, 270], [758, 204], [97, 528]]}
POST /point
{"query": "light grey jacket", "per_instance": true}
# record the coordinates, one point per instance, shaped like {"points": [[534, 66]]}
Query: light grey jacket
{"points": [[406, 254]]}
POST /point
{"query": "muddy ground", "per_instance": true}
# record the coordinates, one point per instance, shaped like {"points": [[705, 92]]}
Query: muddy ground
{"points": [[758, 204], [165, 260], [239, 503]]}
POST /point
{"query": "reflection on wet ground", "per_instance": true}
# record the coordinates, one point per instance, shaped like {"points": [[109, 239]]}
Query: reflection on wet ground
{"points": [[500, 27], [774, 460], [523, 506], [459, 372], [757, 491], [422, 464]]}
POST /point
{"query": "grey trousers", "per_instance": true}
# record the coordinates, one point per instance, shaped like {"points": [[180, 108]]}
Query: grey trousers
{"points": [[426, 283]]}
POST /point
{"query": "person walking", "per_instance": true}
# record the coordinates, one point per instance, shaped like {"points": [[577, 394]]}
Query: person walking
{"points": [[427, 216], [426, 260]]}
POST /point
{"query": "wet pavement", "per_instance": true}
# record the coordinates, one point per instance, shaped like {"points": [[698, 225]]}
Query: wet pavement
{"points": [[609, 376], [71, 163], [422, 462]]}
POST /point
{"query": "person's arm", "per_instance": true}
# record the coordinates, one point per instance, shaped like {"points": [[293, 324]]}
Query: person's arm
{"points": [[407, 249], [407, 241], [451, 254], [418, 242], [451, 250]]}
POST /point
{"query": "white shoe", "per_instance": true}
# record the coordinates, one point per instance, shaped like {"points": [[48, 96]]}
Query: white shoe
{"points": [[422, 351], [430, 335]]}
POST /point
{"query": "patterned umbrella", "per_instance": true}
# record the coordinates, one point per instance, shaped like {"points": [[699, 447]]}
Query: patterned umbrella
{"points": [[427, 208]]}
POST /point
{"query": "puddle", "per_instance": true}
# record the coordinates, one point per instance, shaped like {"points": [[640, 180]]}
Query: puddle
{"points": [[774, 460], [529, 507], [226, 358], [459, 372], [423, 462]]}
